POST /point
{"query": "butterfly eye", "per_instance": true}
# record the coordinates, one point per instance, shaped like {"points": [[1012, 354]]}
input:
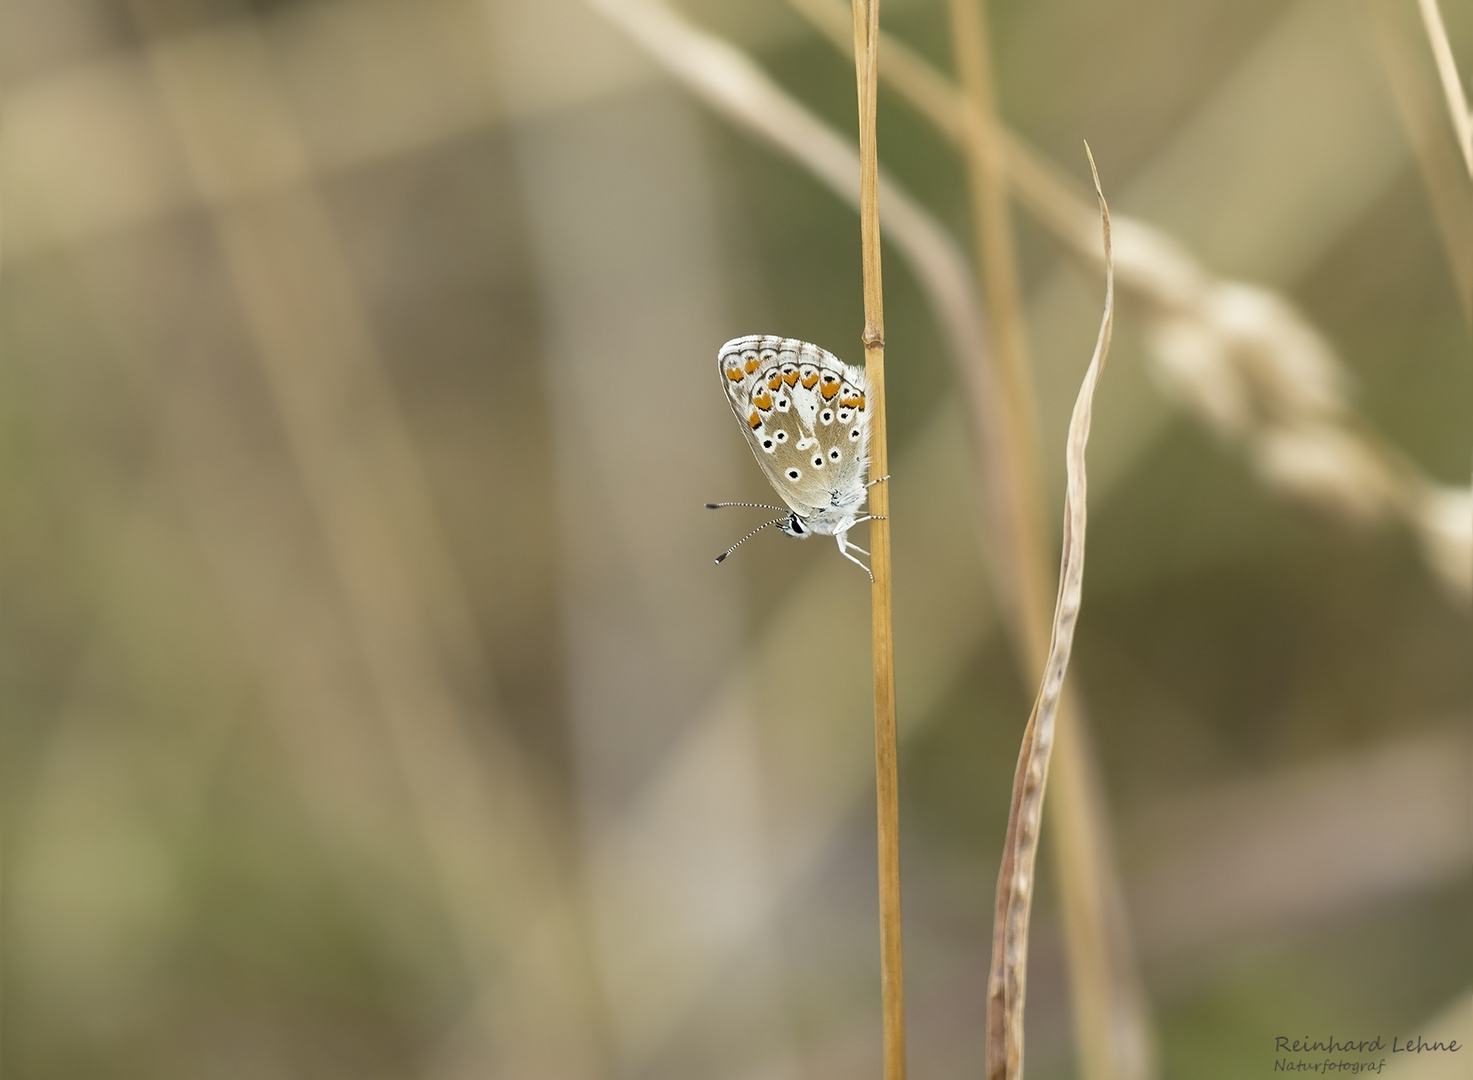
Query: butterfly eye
{"points": [[854, 434], [834, 454], [793, 474]]}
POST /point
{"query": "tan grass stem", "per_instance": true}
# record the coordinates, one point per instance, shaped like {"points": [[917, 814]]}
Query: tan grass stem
{"points": [[1007, 978], [887, 783]]}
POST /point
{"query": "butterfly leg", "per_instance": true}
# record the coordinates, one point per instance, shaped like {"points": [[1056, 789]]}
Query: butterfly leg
{"points": [[859, 564], [845, 545]]}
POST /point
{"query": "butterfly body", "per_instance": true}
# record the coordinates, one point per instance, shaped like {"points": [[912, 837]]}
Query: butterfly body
{"points": [[803, 412]]}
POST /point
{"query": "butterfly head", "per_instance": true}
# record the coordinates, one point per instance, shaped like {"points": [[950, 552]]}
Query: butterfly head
{"points": [[794, 526]]}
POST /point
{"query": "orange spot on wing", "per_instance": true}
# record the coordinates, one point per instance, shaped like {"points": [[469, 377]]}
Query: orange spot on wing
{"points": [[753, 364], [790, 378], [754, 419], [808, 381], [850, 402], [861, 403], [774, 382], [734, 374], [829, 390], [762, 401]]}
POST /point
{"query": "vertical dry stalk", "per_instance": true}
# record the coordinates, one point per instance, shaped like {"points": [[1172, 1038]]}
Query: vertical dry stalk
{"points": [[1452, 86], [1007, 980], [887, 788]]}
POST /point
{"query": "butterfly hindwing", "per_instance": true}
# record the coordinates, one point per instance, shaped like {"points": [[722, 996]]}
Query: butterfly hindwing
{"points": [[802, 410]]}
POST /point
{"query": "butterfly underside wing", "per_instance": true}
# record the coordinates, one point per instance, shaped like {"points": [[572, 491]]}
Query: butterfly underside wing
{"points": [[802, 410]]}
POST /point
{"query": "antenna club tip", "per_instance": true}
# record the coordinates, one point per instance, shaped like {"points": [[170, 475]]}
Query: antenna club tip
{"points": [[721, 558], [713, 506]]}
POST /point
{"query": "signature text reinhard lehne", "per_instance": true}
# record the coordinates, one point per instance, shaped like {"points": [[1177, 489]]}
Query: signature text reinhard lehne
{"points": [[1284, 1044]]}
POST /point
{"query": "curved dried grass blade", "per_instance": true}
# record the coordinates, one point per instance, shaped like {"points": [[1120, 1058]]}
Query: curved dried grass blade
{"points": [[1007, 978]]}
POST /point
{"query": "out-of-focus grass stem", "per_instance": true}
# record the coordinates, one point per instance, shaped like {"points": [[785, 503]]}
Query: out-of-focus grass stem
{"points": [[1452, 86], [887, 785], [1444, 170], [994, 249]]}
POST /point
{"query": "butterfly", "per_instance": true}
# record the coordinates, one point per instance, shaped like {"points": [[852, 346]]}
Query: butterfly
{"points": [[802, 410]]}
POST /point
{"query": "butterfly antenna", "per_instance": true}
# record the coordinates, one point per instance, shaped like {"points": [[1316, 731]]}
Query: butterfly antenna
{"points": [[755, 506], [743, 540]]}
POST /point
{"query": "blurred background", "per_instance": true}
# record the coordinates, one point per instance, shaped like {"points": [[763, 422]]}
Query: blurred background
{"points": [[372, 707]]}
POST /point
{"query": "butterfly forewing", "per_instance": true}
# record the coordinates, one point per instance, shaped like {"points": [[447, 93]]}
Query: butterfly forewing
{"points": [[803, 412]]}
